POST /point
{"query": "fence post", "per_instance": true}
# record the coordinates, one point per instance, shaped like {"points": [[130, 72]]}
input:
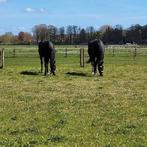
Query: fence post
{"points": [[1, 58], [14, 53], [135, 53], [113, 51], [65, 52], [82, 60]]}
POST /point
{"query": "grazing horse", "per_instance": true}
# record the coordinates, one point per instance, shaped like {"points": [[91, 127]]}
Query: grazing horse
{"points": [[96, 55], [47, 52]]}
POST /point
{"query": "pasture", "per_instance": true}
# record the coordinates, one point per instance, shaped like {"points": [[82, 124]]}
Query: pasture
{"points": [[73, 108]]}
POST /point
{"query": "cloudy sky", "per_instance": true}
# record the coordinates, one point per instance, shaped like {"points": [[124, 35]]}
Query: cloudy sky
{"points": [[22, 15]]}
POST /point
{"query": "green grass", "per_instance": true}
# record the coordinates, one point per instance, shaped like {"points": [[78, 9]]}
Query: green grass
{"points": [[73, 108]]}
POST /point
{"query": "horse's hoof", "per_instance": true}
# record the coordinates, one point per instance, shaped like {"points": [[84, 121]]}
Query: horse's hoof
{"points": [[53, 73]]}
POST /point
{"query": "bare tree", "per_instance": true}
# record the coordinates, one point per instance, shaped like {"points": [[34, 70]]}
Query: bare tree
{"points": [[7, 37], [144, 34], [83, 36], [75, 33], [52, 32], [70, 33], [40, 32], [62, 34], [90, 32], [103, 28], [134, 34], [117, 35]]}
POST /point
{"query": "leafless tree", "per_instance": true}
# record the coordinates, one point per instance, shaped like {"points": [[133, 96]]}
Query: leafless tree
{"points": [[52, 30], [40, 32], [62, 34], [70, 33]]}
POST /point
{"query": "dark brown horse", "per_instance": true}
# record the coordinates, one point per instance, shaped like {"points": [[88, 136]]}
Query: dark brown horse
{"points": [[96, 55], [47, 54]]}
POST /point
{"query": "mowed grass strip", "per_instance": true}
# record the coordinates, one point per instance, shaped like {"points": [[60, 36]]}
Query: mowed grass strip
{"points": [[73, 108]]}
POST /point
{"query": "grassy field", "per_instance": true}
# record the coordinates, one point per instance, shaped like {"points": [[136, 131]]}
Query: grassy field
{"points": [[73, 108]]}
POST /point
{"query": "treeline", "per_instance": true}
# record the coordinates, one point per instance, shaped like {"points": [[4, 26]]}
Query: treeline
{"points": [[73, 34]]}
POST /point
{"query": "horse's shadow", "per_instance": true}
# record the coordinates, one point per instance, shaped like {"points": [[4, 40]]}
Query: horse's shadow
{"points": [[26, 72], [35, 73], [76, 74]]}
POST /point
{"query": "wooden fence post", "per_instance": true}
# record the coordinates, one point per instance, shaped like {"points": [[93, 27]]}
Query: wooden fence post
{"points": [[66, 52], [14, 53], [113, 51], [1, 58], [135, 53], [82, 59]]}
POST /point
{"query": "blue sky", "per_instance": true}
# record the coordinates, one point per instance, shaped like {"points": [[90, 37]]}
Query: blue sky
{"points": [[22, 15]]}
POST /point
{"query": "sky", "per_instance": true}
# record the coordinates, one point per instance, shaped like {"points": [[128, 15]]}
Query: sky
{"points": [[23, 15]]}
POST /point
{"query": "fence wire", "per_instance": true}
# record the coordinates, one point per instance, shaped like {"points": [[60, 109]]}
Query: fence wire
{"points": [[121, 52]]}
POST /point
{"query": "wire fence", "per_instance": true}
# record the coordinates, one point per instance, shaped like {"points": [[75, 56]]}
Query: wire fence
{"points": [[119, 52]]}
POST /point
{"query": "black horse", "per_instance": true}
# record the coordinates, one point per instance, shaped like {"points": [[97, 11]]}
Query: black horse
{"points": [[96, 55], [47, 52]]}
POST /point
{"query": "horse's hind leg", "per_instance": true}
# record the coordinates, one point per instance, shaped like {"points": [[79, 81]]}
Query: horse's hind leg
{"points": [[52, 66], [52, 63], [92, 64], [41, 63], [95, 66], [101, 68]]}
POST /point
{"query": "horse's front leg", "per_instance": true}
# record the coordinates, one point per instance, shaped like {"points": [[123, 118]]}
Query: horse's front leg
{"points": [[94, 66], [41, 63], [46, 61], [92, 72], [101, 68]]}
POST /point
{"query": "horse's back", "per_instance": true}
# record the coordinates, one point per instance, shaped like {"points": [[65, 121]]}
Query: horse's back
{"points": [[45, 48], [95, 50]]}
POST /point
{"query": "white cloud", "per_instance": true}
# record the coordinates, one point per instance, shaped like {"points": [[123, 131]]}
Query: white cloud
{"points": [[20, 28], [28, 10], [3, 1], [39, 10], [42, 10]]}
